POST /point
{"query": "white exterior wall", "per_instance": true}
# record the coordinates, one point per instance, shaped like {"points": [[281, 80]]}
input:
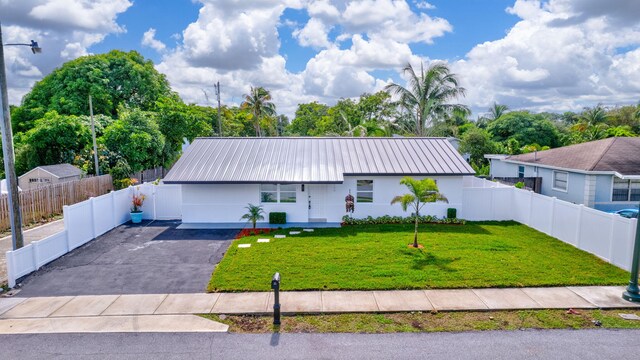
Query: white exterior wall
{"points": [[217, 203]]}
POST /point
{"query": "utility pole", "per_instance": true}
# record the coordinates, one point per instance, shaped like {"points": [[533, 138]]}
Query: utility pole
{"points": [[93, 134], [15, 216], [217, 86]]}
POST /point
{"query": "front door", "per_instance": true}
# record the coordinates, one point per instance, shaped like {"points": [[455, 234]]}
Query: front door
{"points": [[317, 202]]}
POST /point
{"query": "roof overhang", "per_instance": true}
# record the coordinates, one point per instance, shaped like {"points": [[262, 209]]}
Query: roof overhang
{"points": [[579, 171]]}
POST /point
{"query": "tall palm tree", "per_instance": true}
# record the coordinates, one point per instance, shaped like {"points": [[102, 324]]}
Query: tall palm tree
{"points": [[258, 102], [427, 95], [420, 192], [254, 213], [497, 110]]}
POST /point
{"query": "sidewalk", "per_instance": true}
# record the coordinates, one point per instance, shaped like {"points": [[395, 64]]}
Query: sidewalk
{"points": [[46, 314], [35, 234]]}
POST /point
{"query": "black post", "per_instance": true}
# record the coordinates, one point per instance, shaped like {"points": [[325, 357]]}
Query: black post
{"points": [[633, 292], [275, 285]]}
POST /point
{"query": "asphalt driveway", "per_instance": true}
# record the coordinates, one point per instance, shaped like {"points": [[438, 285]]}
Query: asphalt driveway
{"points": [[149, 258]]}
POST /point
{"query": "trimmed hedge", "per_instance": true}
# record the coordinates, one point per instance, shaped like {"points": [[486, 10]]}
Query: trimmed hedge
{"points": [[452, 213], [428, 219], [277, 218]]}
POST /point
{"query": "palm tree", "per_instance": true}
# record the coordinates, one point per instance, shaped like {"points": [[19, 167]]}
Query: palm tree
{"points": [[497, 110], [420, 192], [428, 94], [594, 115], [254, 213], [258, 102]]}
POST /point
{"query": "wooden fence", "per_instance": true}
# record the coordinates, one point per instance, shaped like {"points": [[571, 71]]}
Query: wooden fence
{"points": [[150, 175], [47, 201]]}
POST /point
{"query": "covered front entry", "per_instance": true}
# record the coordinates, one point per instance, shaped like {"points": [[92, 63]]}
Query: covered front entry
{"points": [[317, 198]]}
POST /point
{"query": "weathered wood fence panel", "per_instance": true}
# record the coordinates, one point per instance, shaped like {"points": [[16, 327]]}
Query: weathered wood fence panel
{"points": [[47, 201]]}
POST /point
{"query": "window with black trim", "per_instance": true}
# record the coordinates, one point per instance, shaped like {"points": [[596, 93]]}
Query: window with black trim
{"points": [[520, 172], [364, 191]]}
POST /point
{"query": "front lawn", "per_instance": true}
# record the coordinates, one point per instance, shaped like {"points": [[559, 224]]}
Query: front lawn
{"points": [[368, 257]]}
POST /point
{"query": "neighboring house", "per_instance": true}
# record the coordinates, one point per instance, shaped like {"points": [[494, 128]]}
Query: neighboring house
{"points": [[309, 178], [49, 174], [603, 174]]}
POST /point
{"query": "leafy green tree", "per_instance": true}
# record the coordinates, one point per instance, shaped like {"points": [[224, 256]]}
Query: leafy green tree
{"points": [[55, 139], [113, 79], [178, 122], [420, 193], [137, 138], [594, 115], [254, 213], [428, 95], [259, 104], [477, 142], [307, 118], [526, 128]]}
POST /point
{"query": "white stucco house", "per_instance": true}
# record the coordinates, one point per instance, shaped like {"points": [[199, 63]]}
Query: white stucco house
{"points": [[309, 178], [602, 174]]}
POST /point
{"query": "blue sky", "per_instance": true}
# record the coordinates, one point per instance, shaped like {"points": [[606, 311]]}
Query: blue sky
{"points": [[539, 55]]}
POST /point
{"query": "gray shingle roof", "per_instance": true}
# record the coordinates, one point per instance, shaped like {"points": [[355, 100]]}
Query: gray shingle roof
{"points": [[312, 160], [62, 170], [619, 154]]}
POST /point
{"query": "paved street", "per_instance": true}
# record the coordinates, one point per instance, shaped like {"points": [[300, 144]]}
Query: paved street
{"points": [[530, 344], [37, 233], [151, 258]]}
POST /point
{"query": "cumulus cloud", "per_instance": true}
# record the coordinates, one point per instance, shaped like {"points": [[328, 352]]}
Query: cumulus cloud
{"points": [[149, 39], [65, 29]]}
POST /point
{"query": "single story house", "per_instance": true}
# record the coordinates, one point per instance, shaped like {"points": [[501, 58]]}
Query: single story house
{"points": [[602, 174], [49, 174], [309, 178]]}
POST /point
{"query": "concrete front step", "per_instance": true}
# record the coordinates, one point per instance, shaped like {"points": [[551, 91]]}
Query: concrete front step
{"points": [[316, 302]]}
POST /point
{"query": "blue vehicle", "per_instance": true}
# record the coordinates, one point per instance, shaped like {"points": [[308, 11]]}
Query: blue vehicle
{"points": [[628, 213]]}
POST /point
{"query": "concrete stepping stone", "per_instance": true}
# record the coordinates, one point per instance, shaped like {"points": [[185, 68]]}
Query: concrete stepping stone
{"points": [[263, 240], [280, 236], [244, 246], [294, 232], [307, 230]]}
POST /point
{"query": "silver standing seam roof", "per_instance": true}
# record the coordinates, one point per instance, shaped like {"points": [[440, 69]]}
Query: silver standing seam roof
{"points": [[312, 160]]}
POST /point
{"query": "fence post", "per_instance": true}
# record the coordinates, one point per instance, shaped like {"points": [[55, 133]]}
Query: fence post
{"points": [[579, 227], [66, 218], [613, 225], [552, 213], [114, 222], [93, 217], [11, 277], [530, 208], [36, 254]]}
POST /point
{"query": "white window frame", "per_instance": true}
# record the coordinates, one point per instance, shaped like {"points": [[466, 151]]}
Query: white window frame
{"points": [[553, 181], [277, 191], [365, 191], [613, 182]]}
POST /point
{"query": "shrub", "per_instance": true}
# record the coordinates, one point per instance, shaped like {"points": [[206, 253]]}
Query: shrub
{"points": [[427, 219], [277, 218], [451, 213], [519, 185]]}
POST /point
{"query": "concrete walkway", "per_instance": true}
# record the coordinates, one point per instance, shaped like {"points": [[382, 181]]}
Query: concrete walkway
{"points": [[34, 234]]}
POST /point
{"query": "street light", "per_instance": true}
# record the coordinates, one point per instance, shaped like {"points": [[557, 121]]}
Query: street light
{"points": [[15, 216], [633, 293]]}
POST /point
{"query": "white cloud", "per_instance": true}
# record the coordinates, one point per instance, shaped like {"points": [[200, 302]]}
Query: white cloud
{"points": [[65, 29], [149, 39]]}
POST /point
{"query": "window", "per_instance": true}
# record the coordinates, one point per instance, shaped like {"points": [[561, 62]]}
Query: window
{"points": [[287, 193], [364, 193], [520, 172], [273, 193], [625, 190], [560, 180], [38, 180]]}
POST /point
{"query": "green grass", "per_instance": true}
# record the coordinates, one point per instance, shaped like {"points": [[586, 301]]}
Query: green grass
{"points": [[430, 322], [368, 257]]}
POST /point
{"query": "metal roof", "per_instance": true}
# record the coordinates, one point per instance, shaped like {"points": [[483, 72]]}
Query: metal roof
{"points": [[312, 160]]}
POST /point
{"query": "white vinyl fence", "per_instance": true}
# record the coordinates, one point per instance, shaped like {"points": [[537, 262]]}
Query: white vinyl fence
{"points": [[605, 235], [89, 219]]}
